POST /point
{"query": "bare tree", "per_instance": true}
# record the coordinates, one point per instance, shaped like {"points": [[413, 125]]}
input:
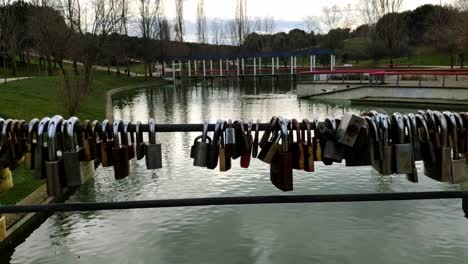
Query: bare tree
{"points": [[240, 26], [179, 22], [201, 22], [217, 31], [148, 27], [269, 24], [312, 23], [462, 4], [332, 17]]}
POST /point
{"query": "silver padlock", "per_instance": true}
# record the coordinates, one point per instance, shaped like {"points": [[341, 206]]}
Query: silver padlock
{"points": [[54, 165], [71, 155], [458, 163], [40, 153], [348, 129], [153, 152]]}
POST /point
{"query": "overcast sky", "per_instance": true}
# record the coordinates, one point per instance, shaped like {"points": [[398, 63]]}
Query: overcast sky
{"points": [[292, 10]]}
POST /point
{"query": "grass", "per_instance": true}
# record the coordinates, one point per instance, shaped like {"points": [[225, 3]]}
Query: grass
{"points": [[41, 96]]}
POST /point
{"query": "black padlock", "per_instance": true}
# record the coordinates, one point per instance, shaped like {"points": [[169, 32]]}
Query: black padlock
{"points": [[360, 154], [281, 170], [307, 146], [256, 140], [224, 160], [129, 145], [120, 153], [333, 151], [386, 167], [213, 154], [96, 146], [413, 175], [31, 145], [417, 152], [403, 157], [140, 144], [248, 142], [202, 148]]}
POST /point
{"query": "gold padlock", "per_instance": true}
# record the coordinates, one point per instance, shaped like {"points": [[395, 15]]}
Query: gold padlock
{"points": [[6, 180]]}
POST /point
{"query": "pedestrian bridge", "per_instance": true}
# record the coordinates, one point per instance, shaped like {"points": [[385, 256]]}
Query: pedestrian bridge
{"points": [[442, 86]]}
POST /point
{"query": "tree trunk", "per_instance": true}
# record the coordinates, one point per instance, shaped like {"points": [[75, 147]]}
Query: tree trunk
{"points": [[49, 66], [75, 67]]}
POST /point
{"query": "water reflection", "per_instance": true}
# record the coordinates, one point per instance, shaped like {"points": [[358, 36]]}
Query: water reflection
{"points": [[390, 232]]}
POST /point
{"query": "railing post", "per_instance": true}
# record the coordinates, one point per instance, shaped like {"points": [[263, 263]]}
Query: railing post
{"points": [[237, 64], [227, 66], [221, 67], [204, 68], [272, 66], [195, 67], [277, 63], [163, 70], [260, 63], [255, 66], [243, 66], [189, 68], [180, 69], [211, 67], [173, 70], [292, 65]]}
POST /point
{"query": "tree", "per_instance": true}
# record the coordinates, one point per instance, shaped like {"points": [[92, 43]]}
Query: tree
{"points": [[179, 23], [312, 24], [462, 4], [201, 22], [240, 26], [149, 28], [391, 31], [217, 31], [332, 17]]}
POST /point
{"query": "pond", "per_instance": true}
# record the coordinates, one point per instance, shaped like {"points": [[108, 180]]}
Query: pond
{"points": [[384, 232]]}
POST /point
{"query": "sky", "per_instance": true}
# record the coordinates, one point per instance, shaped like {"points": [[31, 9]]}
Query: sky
{"points": [[288, 14], [291, 10]]}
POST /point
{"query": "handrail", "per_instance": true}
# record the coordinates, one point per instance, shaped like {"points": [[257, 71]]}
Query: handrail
{"points": [[239, 200]]}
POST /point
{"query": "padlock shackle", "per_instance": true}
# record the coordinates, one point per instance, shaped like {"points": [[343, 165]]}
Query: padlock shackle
{"points": [[95, 134], [43, 125], [443, 128], [308, 131], [266, 135], [32, 129], [152, 131], [409, 129], [71, 130], [384, 126], [103, 133], [399, 130], [124, 134], [205, 131], [452, 132], [371, 124], [6, 129], [217, 132], [295, 126], [283, 125], [115, 134], [55, 127]]}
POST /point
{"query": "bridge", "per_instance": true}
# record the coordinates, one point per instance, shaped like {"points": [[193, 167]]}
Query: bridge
{"points": [[409, 86], [260, 64]]}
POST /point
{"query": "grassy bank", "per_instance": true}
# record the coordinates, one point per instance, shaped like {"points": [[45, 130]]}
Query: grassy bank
{"points": [[41, 96]]}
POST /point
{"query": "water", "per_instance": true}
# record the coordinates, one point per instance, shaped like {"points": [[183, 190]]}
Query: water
{"points": [[384, 232]]}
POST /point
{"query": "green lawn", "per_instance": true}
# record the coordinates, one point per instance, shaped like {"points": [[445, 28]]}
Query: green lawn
{"points": [[41, 96]]}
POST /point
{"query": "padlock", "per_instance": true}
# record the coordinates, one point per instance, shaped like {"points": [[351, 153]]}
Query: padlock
{"points": [[213, 154], [120, 152], [446, 155], [333, 150], [96, 143], [106, 145], [84, 141], [22, 130], [54, 164], [427, 148], [374, 143], [256, 140], [140, 144], [31, 144], [248, 141], [266, 152], [224, 160], [153, 152], [41, 151], [403, 158], [230, 139], [461, 134], [387, 158], [459, 172], [348, 130], [307, 146], [7, 179], [202, 148], [317, 145], [296, 147], [130, 145], [8, 142], [71, 155], [281, 170], [360, 154], [416, 137], [413, 175]]}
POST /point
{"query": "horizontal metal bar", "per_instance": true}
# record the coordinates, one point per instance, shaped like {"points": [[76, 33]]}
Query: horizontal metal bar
{"points": [[241, 200]]}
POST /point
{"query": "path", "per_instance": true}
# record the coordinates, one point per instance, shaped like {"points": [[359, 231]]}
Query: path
{"points": [[2, 80]]}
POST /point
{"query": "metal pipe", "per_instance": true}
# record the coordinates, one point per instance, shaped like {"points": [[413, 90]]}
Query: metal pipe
{"points": [[241, 200]]}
